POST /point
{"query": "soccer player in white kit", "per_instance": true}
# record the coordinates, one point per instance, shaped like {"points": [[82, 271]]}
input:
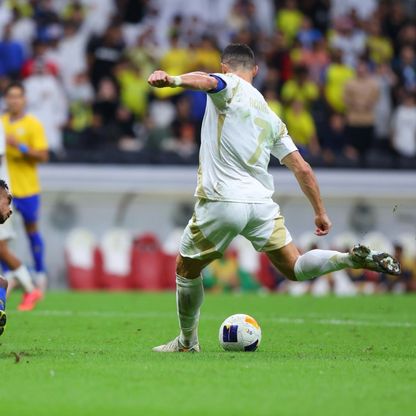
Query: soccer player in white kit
{"points": [[234, 191]]}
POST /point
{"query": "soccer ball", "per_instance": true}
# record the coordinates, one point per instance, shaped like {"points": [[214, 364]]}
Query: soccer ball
{"points": [[240, 332]]}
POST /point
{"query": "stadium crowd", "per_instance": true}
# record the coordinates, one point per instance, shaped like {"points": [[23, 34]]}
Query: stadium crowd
{"points": [[341, 73]]}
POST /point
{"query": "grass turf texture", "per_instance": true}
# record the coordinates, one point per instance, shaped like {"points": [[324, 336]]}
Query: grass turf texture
{"points": [[90, 354]]}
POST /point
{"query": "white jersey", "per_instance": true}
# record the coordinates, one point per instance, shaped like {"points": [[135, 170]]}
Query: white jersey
{"points": [[239, 132]]}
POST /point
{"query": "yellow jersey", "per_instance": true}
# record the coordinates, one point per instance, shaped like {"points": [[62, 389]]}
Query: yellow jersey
{"points": [[301, 126], [23, 174], [337, 77]]}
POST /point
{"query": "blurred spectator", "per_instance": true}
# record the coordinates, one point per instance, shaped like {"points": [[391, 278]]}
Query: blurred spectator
{"points": [[337, 76], [134, 88], [386, 80], [98, 15], [380, 47], [333, 138], [80, 89], [177, 60], [126, 137], [11, 54], [318, 11], [300, 88], [349, 40], [361, 96], [404, 127], [405, 68], [394, 21], [184, 144], [144, 54], [6, 15], [316, 59], [278, 57], [271, 98], [207, 57], [237, 18], [23, 28], [103, 53], [46, 100], [302, 128], [363, 8], [132, 11], [307, 34], [107, 101], [39, 52], [70, 54], [289, 19]]}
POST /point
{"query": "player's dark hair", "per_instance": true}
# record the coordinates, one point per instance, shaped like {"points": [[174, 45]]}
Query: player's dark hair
{"points": [[3, 185], [14, 84], [238, 55]]}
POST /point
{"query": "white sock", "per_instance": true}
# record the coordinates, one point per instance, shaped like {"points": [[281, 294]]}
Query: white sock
{"points": [[316, 263], [189, 298], [23, 276]]}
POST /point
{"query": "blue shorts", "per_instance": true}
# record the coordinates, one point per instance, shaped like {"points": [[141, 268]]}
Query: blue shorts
{"points": [[28, 207]]}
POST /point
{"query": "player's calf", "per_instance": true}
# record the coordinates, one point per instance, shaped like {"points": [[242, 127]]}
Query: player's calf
{"points": [[315, 263]]}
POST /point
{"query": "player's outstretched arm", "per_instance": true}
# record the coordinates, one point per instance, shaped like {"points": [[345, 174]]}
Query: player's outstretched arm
{"points": [[193, 81], [309, 185]]}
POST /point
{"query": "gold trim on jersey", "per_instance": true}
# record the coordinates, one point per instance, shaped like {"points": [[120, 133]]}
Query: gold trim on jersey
{"points": [[278, 237], [200, 187], [220, 126], [207, 249]]}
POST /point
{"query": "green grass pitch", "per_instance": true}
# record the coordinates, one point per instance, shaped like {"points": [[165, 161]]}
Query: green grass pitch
{"points": [[90, 354]]}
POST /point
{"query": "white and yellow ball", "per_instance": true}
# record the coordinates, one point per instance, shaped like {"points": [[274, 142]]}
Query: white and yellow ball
{"points": [[240, 332]]}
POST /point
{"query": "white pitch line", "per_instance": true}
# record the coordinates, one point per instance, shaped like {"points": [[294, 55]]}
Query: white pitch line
{"points": [[280, 320]]}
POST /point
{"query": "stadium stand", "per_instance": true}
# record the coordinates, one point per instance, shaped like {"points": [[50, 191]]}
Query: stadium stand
{"points": [[89, 60]]}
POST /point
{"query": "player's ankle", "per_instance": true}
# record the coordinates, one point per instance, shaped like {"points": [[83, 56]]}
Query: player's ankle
{"points": [[188, 339]]}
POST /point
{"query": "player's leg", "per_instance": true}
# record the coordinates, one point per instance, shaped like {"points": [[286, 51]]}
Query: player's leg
{"points": [[189, 297], [3, 294], [315, 263], [285, 256], [207, 235], [19, 272], [29, 209], [38, 253]]}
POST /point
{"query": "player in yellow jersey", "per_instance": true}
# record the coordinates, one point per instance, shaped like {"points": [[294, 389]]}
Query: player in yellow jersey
{"points": [[13, 268], [26, 147], [238, 135]]}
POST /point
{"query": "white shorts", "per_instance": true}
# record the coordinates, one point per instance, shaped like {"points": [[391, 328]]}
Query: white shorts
{"points": [[215, 224], [7, 231]]}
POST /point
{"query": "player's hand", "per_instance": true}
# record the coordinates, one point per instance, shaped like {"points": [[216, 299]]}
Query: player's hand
{"points": [[11, 141], [160, 79], [323, 224]]}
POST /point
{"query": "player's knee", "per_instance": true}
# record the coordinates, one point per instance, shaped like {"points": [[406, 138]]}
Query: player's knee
{"points": [[3, 282], [188, 268], [31, 227], [181, 267]]}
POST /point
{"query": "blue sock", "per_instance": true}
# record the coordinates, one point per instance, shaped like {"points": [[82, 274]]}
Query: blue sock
{"points": [[37, 247], [3, 298], [4, 266]]}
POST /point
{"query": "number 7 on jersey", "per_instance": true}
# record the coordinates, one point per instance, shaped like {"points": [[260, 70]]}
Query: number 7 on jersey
{"points": [[264, 134]]}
